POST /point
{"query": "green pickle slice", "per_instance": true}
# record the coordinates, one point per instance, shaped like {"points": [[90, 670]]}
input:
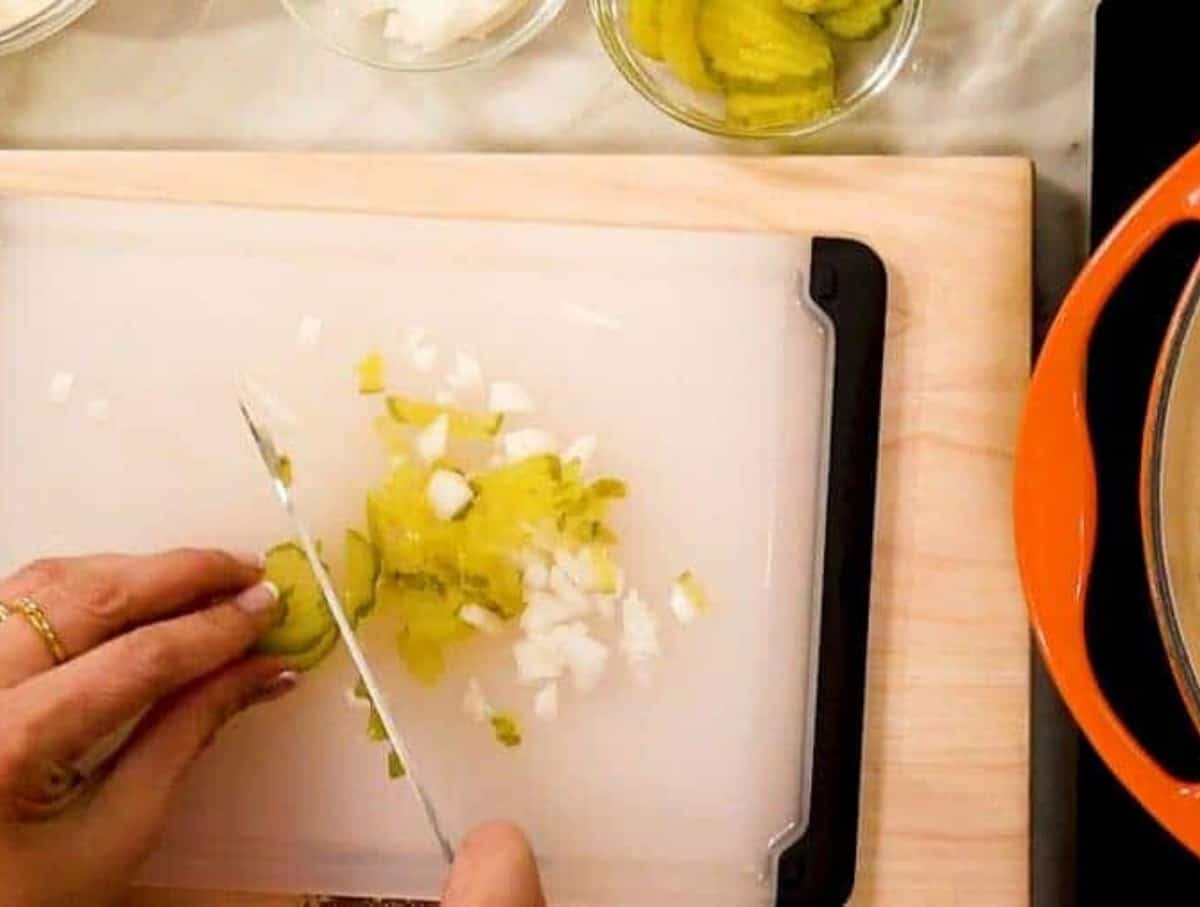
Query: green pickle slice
{"points": [[306, 618], [312, 657], [679, 45], [818, 7], [760, 111], [860, 22], [645, 26], [757, 44]]}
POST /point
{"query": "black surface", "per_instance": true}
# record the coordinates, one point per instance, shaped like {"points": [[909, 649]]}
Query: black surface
{"points": [[1144, 122], [849, 282]]}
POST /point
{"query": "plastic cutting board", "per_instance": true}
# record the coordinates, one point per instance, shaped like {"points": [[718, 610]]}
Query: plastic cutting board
{"points": [[697, 359]]}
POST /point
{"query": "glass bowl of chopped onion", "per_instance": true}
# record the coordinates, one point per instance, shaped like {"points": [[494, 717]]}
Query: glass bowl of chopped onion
{"points": [[424, 35], [24, 23], [758, 68]]}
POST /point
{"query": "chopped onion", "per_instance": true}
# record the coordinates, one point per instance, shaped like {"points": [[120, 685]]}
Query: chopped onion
{"points": [[538, 659], [444, 397], [431, 441], [309, 333], [639, 630], [544, 611], [529, 442], [509, 397], [586, 657], [60, 387], [545, 703], [581, 449], [424, 358], [475, 704], [448, 493], [536, 576], [565, 590], [481, 619], [466, 374], [606, 606], [98, 409]]}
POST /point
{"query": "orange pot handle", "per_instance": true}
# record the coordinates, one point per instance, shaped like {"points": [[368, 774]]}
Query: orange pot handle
{"points": [[1055, 499]]}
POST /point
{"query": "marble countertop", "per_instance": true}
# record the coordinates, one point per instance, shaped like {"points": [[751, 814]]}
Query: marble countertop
{"points": [[985, 77]]}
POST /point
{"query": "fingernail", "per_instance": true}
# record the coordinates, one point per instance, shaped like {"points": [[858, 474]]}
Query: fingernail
{"points": [[260, 599], [253, 559], [274, 688]]}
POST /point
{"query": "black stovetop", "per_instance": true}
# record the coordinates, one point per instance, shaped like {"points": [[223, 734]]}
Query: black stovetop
{"points": [[1146, 117]]}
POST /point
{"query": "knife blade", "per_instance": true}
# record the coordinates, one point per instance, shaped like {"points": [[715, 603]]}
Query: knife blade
{"points": [[274, 460]]}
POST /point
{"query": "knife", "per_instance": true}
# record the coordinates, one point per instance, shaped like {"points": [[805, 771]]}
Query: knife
{"points": [[264, 440]]}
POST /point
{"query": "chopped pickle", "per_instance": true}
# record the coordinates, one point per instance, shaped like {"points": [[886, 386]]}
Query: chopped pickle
{"points": [[285, 471], [605, 573], [679, 47], [306, 618], [860, 22], [507, 729], [362, 569], [463, 425], [396, 768], [645, 26], [375, 729], [371, 374]]}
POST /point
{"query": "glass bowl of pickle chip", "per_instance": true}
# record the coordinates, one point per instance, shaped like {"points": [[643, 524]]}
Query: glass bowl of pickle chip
{"points": [[758, 68]]}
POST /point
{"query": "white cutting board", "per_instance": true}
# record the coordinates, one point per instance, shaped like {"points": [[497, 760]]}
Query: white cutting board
{"points": [[687, 353]]}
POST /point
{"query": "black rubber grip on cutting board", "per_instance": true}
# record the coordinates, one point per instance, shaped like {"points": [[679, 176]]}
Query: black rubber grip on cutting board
{"points": [[848, 281]]}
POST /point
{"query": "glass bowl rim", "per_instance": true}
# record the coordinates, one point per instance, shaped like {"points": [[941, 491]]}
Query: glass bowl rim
{"points": [[882, 75]]}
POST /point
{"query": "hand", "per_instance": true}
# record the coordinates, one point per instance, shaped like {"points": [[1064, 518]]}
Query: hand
{"points": [[495, 867], [163, 638]]}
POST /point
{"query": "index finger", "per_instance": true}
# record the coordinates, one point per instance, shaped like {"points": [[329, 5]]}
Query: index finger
{"points": [[91, 599]]}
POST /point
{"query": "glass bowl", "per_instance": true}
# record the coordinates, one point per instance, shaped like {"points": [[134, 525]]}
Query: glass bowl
{"points": [[864, 70], [53, 17], [340, 26]]}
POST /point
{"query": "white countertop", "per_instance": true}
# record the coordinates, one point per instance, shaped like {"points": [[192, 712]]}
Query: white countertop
{"points": [[986, 77]]}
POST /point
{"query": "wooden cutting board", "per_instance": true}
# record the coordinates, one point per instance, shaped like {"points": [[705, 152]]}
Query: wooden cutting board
{"points": [[945, 817]]}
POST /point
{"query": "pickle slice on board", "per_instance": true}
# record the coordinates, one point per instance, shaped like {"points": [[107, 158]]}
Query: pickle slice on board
{"points": [[362, 569], [306, 618]]}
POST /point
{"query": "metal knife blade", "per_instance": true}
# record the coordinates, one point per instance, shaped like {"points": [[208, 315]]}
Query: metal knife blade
{"points": [[273, 459]]}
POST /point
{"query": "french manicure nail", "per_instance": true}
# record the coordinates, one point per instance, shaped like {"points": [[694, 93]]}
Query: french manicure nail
{"points": [[275, 687], [255, 559], [260, 599]]}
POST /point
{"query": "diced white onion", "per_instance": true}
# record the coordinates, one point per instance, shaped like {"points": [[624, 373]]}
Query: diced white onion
{"points": [[682, 605], [544, 611], [448, 493], [99, 409], [431, 441], [639, 629], [466, 374], [309, 333], [475, 704], [61, 385], [481, 619], [538, 659], [581, 449], [526, 443], [545, 703], [509, 397]]}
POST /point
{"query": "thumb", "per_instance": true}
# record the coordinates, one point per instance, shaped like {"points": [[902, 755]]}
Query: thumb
{"points": [[495, 867]]}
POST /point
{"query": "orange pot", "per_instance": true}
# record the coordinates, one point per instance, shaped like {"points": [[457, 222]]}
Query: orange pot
{"points": [[1056, 507]]}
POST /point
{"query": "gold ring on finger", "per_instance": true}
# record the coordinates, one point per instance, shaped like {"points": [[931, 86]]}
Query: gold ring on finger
{"points": [[37, 619]]}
